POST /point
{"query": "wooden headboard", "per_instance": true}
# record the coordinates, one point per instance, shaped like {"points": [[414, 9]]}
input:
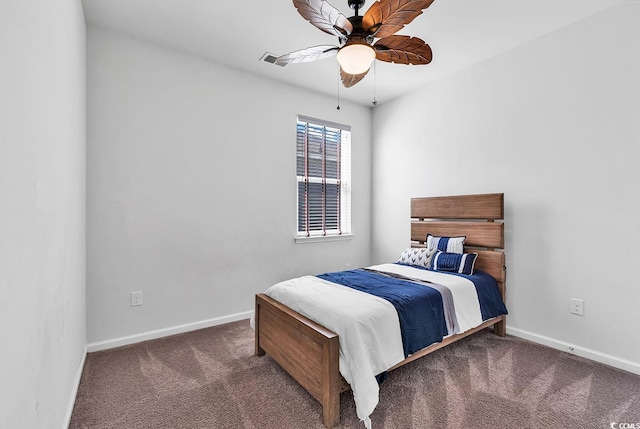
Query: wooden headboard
{"points": [[478, 217]]}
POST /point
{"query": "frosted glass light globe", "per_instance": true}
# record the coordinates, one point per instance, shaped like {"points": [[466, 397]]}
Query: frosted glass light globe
{"points": [[356, 58]]}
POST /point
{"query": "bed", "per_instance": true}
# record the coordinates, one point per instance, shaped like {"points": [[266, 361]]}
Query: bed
{"points": [[310, 352]]}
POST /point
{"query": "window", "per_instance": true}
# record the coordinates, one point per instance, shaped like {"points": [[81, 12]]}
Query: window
{"points": [[323, 151]]}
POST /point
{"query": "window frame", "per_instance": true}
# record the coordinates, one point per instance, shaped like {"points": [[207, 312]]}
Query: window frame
{"points": [[343, 180]]}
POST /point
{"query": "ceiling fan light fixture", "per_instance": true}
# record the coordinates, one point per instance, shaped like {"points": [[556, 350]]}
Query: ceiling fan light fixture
{"points": [[356, 58]]}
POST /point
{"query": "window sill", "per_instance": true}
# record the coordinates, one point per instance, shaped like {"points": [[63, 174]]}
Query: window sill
{"points": [[323, 238]]}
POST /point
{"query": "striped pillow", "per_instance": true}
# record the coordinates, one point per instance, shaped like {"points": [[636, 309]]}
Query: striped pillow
{"points": [[417, 256], [446, 244], [454, 262]]}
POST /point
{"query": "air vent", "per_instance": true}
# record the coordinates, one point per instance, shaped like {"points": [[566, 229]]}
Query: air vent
{"points": [[270, 58]]}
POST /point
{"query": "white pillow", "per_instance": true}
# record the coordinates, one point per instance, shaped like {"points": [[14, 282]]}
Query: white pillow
{"points": [[446, 244], [419, 256]]}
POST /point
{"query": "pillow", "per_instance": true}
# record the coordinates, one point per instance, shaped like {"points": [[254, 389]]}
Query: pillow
{"points": [[454, 262], [446, 244], [417, 256]]}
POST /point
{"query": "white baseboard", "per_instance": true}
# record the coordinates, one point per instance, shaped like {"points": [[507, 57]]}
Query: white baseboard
{"points": [[159, 333], [606, 359], [74, 392]]}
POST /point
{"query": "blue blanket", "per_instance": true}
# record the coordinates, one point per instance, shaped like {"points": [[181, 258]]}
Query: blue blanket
{"points": [[419, 307], [491, 304]]}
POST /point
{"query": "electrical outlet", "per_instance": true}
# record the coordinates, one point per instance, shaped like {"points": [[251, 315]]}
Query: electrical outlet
{"points": [[347, 265], [577, 306], [136, 298]]}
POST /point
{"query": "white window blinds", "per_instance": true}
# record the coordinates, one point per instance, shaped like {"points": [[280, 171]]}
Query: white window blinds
{"points": [[323, 152]]}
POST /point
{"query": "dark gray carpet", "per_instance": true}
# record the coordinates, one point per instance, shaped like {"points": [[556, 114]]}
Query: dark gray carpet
{"points": [[211, 379]]}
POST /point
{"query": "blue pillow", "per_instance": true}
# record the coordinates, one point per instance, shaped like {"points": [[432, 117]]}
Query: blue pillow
{"points": [[454, 262], [446, 244]]}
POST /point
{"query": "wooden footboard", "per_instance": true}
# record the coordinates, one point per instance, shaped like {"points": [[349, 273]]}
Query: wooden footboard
{"points": [[308, 351]]}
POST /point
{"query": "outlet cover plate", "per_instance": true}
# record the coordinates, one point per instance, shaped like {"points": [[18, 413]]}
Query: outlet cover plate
{"points": [[577, 306], [136, 299]]}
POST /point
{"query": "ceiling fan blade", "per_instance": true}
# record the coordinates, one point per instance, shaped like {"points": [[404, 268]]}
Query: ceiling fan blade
{"points": [[306, 55], [403, 50], [324, 16], [385, 17], [348, 80]]}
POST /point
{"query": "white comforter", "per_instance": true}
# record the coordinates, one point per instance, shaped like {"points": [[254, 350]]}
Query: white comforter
{"points": [[368, 326]]}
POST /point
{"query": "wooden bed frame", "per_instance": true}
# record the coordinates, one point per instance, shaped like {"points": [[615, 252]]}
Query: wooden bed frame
{"points": [[309, 352]]}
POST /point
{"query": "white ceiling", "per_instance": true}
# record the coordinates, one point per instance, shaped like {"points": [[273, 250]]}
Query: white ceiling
{"points": [[237, 33]]}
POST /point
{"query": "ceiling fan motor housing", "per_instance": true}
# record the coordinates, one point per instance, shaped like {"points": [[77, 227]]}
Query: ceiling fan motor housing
{"points": [[358, 35]]}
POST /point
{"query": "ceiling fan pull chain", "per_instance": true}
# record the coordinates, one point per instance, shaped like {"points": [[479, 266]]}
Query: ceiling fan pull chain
{"points": [[338, 108], [374, 102]]}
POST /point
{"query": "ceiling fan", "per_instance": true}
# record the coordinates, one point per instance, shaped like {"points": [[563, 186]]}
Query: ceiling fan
{"points": [[356, 36]]}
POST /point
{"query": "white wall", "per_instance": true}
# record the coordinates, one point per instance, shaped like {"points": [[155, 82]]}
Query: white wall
{"points": [[191, 188], [554, 125], [42, 210]]}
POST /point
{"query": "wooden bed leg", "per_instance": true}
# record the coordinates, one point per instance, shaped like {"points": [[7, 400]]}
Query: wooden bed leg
{"points": [[331, 384], [500, 328], [256, 322]]}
